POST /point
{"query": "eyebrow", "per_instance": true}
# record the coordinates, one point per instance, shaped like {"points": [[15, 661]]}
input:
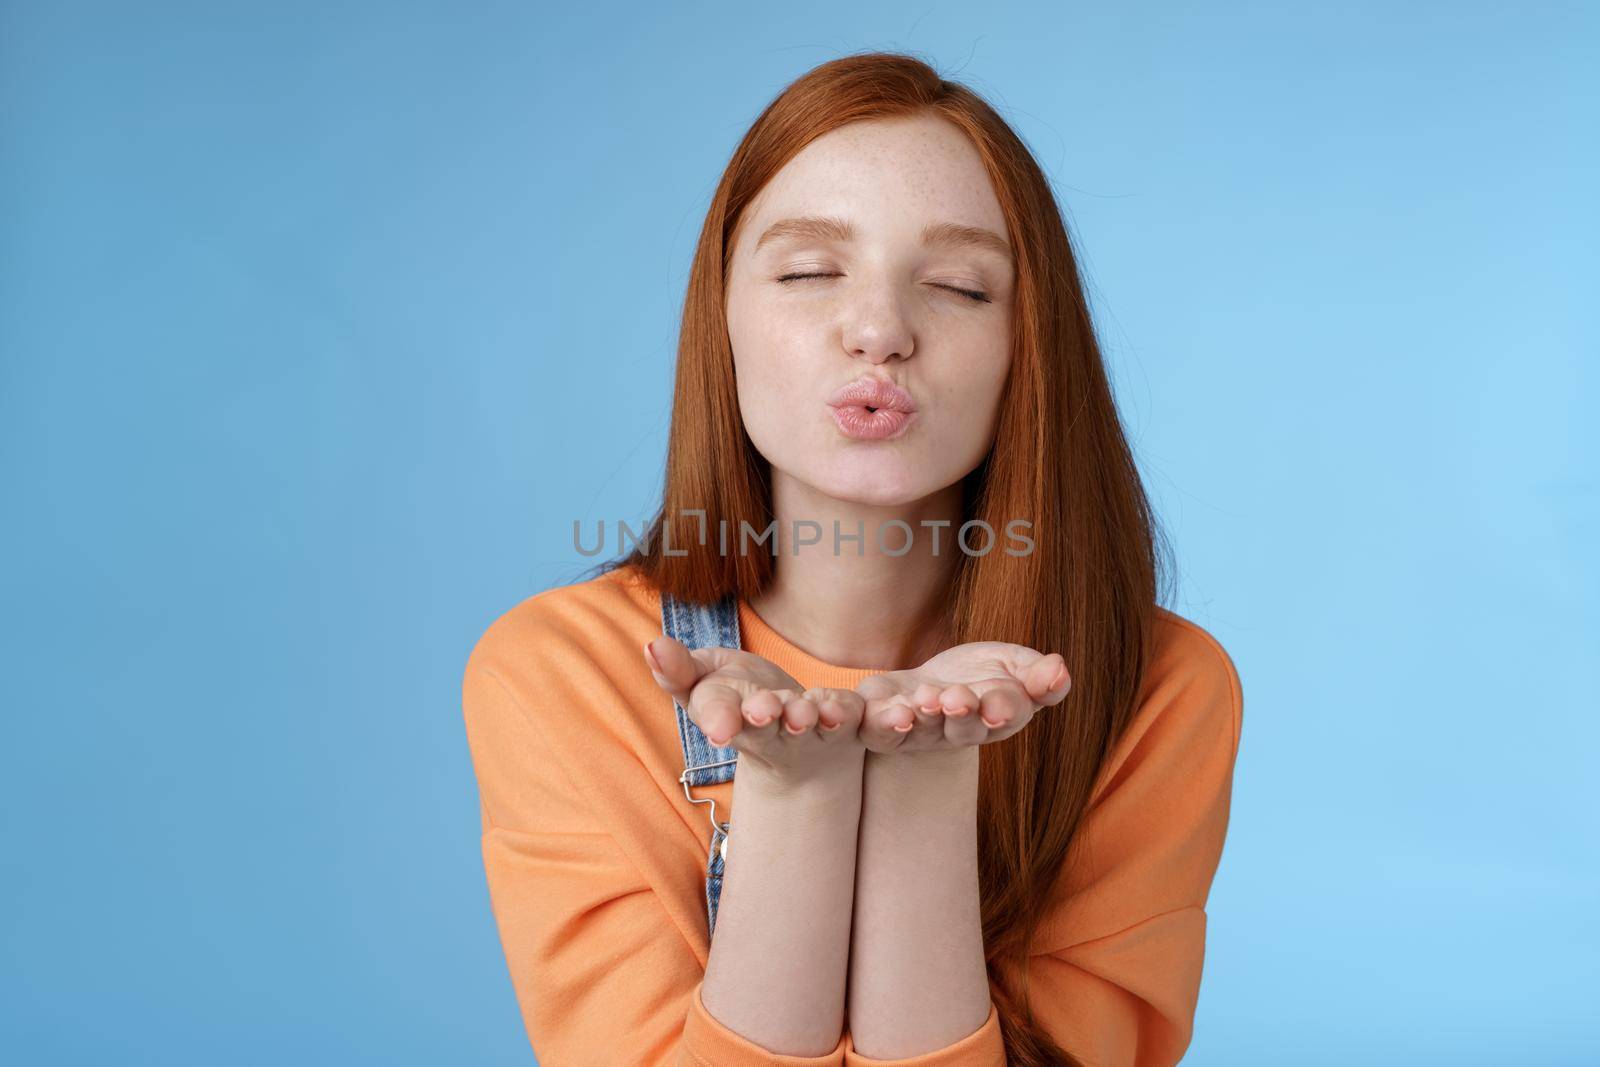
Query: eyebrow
{"points": [[934, 235]]}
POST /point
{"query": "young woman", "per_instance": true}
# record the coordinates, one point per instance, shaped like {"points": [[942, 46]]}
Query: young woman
{"points": [[981, 792]]}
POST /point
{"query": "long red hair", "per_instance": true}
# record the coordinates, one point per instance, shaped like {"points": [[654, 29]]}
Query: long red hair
{"points": [[1060, 458]]}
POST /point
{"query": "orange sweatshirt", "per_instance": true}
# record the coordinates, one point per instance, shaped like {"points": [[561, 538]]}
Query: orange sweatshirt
{"points": [[596, 861]]}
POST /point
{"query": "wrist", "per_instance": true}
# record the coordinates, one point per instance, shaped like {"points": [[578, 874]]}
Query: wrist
{"points": [[938, 788], [936, 765], [839, 781]]}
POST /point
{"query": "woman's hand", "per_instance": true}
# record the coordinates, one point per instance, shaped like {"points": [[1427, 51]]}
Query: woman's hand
{"points": [[971, 694], [741, 699]]}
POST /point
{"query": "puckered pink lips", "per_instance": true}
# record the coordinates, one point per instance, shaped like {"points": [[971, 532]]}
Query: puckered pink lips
{"points": [[871, 409]]}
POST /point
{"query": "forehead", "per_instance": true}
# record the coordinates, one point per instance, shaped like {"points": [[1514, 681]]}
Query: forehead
{"points": [[887, 176]]}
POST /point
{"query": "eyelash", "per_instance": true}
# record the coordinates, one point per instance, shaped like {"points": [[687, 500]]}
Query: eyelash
{"points": [[971, 294]]}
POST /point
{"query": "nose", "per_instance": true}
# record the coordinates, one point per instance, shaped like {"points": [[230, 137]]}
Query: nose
{"points": [[879, 354], [878, 333], [876, 327]]}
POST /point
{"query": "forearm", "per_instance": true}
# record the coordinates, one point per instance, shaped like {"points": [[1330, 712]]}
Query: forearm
{"points": [[779, 956], [917, 980]]}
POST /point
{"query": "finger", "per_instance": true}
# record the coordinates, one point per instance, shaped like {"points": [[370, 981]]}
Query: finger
{"points": [[925, 702], [958, 700], [962, 726], [762, 711], [714, 707], [800, 714], [885, 724], [839, 714], [672, 666], [1047, 680], [966, 730], [1003, 703]]}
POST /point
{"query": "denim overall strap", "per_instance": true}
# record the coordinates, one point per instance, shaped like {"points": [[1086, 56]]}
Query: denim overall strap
{"points": [[704, 626]]}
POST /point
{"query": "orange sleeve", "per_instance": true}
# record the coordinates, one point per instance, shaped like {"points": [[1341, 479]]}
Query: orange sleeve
{"points": [[600, 973], [1114, 976], [982, 1048]]}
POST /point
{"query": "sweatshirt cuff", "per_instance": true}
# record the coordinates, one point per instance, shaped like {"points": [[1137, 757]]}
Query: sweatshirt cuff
{"points": [[984, 1047], [707, 1043]]}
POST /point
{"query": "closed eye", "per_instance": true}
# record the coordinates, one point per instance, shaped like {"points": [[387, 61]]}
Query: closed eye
{"points": [[974, 295]]}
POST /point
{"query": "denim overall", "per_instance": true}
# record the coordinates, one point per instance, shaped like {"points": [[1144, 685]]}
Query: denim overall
{"points": [[704, 626]]}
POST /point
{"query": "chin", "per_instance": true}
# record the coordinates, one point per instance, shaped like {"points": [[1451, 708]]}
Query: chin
{"points": [[872, 484]]}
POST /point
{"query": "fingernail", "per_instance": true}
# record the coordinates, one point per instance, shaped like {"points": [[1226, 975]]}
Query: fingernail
{"points": [[1061, 679], [789, 727], [991, 725], [718, 741], [826, 725], [958, 712], [903, 729], [650, 656], [759, 720]]}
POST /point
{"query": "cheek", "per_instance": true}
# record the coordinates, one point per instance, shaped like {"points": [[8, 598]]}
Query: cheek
{"points": [[771, 383], [768, 353], [978, 377]]}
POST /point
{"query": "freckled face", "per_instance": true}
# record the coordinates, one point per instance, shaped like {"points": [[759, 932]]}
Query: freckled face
{"points": [[895, 282]]}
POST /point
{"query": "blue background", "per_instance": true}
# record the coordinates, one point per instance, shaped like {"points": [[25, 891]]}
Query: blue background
{"points": [[320, 328]]}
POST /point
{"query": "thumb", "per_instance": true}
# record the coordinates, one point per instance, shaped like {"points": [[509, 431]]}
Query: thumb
{"points": [[674, 668], [1047, 680]]}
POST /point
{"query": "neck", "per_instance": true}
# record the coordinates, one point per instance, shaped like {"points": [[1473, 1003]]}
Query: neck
{"points": [[871, 609]]}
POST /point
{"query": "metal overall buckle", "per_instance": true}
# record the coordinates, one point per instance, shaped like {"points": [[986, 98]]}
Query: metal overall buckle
{"points": [[683, 779]]}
